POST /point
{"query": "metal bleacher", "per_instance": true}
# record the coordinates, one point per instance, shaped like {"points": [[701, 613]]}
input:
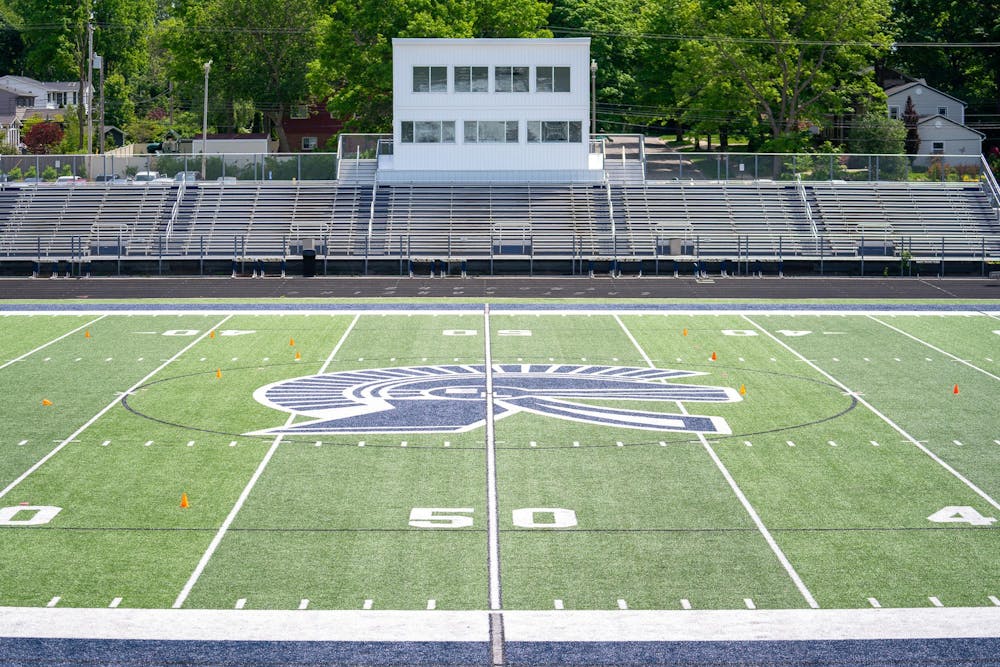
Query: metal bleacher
{"points": [[621, 218]]}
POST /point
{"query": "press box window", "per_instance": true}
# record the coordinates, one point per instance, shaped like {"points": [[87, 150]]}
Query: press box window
{"points": [[552, 79], [472, 79], [555, 131], [430, 79], [511, 79], [491, 132], [427, 132]]}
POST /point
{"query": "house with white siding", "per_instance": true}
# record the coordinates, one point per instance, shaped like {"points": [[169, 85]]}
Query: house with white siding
{"points": [[941, 126]]}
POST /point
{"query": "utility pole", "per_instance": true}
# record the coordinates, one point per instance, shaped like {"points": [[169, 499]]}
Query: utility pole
{"points": [[204, 124], [88, 95], [593, 97], [100, 139]]}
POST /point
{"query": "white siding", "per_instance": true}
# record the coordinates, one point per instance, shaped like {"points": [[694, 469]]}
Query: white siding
{"points": [[928, 102], [490, 105]]}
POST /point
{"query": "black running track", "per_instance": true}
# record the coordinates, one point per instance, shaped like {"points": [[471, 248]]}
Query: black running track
{"points": [[873, 289]]}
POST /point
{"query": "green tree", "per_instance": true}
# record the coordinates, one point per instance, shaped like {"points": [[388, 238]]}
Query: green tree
{"points": [[615, 46], [353, 67], [259, 51], [792, 62], [875, 132]]}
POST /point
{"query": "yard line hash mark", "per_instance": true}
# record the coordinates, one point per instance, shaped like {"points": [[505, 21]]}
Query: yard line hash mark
{"points": [[54, 340], [935, 348], [765, 533], [102, 412], [214, 544], [896, 427]]}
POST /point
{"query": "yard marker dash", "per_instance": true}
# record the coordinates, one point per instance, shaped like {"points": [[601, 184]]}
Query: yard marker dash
{"points": [[54, 601], [232, 443], [749, 603], [896, 427], [22, 443], [147, 443], [105, 443], [620, 444], [957, 442], [190, 443], [995, 600], [558, 604], [685, 603], [532, 444], [748, 443], [997, 441], [874, 603], [737, 491], [114, 603], [319, 443], [368, 604], [874, 443], [447, 443], [432, 604], [789, 443], [576, 443], [304, 604], [361, 443], [242, 602], [54, 340], [403, 443], [662, 444], [622, 604], [934, 601], [831, 443], [241, 500]]}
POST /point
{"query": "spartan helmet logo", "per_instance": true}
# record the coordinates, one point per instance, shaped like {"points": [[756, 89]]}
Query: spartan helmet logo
{"points": [[452, 399]]}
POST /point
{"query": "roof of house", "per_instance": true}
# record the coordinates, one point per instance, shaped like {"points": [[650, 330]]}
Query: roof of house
{"points": [[938, 121], [233, 135], [919, 82]]}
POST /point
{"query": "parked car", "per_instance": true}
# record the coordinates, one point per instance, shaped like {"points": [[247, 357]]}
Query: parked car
{"points": [[187, 176], [145, 177], [70, 180], [226, 179], [109, 178]]}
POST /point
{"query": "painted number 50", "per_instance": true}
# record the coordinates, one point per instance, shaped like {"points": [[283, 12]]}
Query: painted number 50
{"points": [[527, 517]]}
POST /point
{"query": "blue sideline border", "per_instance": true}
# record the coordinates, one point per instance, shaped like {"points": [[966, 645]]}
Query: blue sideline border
{"points": [[839, 653]]}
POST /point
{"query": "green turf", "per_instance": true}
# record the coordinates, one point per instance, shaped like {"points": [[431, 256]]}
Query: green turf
{"points": [[657, 521]]}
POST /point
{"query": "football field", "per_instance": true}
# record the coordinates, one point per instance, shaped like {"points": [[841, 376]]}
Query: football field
{"points": [[500, 458]]}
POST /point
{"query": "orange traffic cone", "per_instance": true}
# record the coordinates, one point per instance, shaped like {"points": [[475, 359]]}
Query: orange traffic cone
{"points": [[955, 390], [211, 334], [743, 390], [46, 401], [684, 333], [184, 500], [297, 355], [291, 341], [713, 356], [86, 334], [218, 372]]}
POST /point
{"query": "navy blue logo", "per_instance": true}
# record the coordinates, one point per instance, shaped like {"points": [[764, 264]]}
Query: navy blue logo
{"points": [[452, 399]]}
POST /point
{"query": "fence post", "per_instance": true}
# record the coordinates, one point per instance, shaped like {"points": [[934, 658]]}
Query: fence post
{"points": [[862, 249]]}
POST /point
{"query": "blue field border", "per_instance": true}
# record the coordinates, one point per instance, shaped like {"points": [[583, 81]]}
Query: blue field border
{"points": [[977, 652], [500, 307]]}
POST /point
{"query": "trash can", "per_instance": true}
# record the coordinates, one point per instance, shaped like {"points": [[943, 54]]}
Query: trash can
{"points": [[308, 263]]}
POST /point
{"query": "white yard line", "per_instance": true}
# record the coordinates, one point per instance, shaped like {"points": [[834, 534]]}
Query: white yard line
{"points": [[110, 405], [224, 528], [54, 340], [765, 533], [909, 438], [935, 348], [492, 523]]}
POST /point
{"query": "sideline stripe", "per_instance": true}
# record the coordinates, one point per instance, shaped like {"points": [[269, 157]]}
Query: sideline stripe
{"points": [[935, 348], [909, 438], [771, 542], [492, 509], [214, 544], [100, 414], [54, 340]]}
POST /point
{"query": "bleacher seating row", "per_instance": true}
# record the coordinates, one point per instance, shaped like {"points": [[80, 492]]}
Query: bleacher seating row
{"points": [[631, 220]]}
